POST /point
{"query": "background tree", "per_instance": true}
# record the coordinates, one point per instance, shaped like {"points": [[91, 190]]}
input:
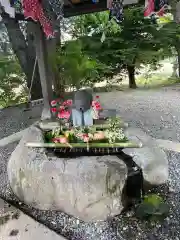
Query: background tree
{"points": [[11, 78], [21, 41], [126, 46], [75, 68]]}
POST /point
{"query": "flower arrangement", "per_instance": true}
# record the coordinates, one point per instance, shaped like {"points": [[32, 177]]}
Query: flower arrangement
{"points": [[113, 134], [61, 109]]}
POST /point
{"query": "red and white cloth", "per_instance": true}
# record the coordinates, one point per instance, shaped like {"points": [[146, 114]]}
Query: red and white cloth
{"points": [[155, 7], [33, 9]]}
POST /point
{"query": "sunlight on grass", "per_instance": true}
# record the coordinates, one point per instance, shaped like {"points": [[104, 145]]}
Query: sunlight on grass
{"points": [[156, 81]]}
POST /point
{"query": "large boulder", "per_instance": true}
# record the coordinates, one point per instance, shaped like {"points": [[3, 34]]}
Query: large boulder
{"points": [[87, 187], [151, 158]]}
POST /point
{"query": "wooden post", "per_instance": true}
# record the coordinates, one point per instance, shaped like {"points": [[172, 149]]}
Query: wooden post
{"points": [[46, 83]]}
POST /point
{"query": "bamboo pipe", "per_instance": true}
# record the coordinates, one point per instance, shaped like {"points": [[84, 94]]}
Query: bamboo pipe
{"points": [[52, 125], [84, 145]]}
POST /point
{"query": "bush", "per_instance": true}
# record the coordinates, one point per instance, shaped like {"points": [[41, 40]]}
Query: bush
{"points": [[11, 79]]}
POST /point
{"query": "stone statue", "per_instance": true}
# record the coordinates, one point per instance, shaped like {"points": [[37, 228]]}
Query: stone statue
{"points": [[82, 110]]}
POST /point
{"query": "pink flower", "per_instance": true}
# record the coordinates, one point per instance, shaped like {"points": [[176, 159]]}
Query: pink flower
{"points": [[53, 103], [64, 114], [63, 140], [93, 103], [55, 140], [53, 110], [85, 137], [96, 105], [61, 108], [67, 102]]}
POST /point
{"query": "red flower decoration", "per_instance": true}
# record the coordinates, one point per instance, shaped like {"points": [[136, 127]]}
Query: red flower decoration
{"points": [[55, 140], [64, 114], [96, 105], [86, 139], [53, 110], [97, 96], [53, 103], [93, 103], [67, 102], [61, 108]]}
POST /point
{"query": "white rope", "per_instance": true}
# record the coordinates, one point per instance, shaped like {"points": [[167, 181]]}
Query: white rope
{"points": [[32, 79]]}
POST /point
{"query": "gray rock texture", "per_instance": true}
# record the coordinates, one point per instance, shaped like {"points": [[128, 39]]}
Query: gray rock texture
{"points": [[151, 158], [89, 188]]}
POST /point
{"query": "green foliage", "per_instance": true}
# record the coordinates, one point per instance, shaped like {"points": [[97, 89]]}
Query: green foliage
{"points": [[152, 208], [11, 78], [102, 48], [75, 68], [134, 42]]}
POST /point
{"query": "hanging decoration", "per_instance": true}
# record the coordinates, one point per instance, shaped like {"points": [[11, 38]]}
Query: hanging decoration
{"points": [[51, 16], [53, 10], [5, 4], [95, 1], [109, 4], [33, 9], [116, 10], [57, 7], [155, 8]]}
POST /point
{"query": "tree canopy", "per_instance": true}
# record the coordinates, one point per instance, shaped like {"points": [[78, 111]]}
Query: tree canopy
{"points": [[99, 48], [127, 46]]}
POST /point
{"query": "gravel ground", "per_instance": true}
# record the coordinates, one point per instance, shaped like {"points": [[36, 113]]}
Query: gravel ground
{"points": [[156, 112]]}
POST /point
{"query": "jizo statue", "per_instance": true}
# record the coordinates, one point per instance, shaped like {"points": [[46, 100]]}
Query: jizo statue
{"points": [[82, 110]]}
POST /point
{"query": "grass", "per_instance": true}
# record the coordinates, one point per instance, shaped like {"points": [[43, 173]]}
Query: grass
{"points": [[156, 81]]}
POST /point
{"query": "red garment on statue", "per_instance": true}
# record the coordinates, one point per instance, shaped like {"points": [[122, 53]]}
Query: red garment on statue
{"points": [[33, 9]]}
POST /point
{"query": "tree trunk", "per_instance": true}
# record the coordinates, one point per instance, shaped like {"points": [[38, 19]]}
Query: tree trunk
{"points": [[58, 83], [178, 56], [175, 6], [131, 75], [25, 53]]}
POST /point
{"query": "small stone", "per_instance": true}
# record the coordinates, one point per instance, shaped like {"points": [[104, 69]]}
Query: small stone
{"points": [[77, 222], [125, 228], [14, 232], [16, 215], [130, 214], [171, 190]]}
